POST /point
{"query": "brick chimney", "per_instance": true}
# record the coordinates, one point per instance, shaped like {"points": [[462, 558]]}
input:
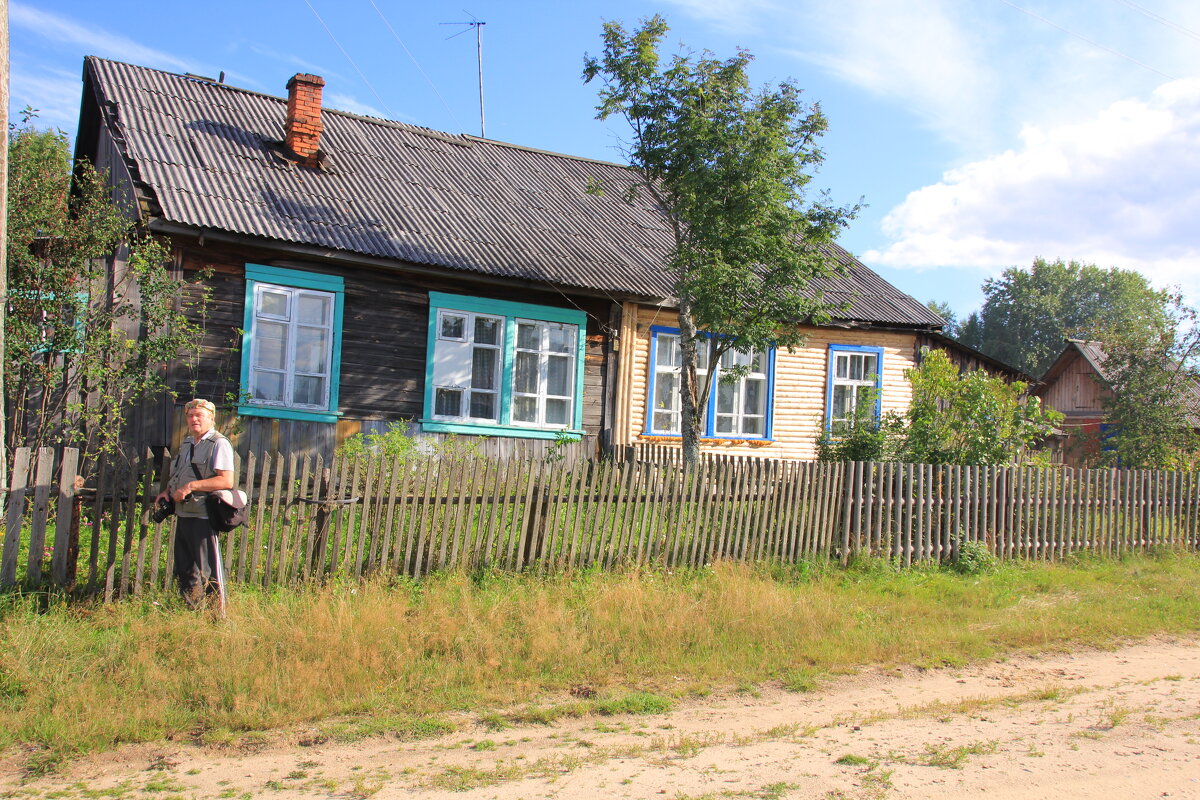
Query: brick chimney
{"points": [[303, 125]]}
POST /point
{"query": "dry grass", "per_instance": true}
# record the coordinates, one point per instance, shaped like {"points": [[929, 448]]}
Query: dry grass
{"points": [[83, 678]]}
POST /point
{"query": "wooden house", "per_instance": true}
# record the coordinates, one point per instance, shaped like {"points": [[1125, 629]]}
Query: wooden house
{"points": [[1077, 385], [364, 272]]}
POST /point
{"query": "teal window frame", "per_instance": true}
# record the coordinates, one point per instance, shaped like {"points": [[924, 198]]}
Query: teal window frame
{"points": [[510, 311], [79, 323], [292, 279], [831, 373]]}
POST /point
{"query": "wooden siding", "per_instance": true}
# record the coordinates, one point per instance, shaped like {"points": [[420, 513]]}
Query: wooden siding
{"points": [[384, 337], [800, 385], [1076, 389]]}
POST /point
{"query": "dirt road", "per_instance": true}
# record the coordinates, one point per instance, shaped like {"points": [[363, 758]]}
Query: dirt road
{"points": [[1095, 724]]}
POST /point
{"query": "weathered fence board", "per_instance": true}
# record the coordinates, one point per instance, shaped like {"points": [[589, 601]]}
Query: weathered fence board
{"points": [[411, 516]]}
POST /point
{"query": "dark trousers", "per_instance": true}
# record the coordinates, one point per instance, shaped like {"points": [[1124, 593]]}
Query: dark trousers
{"points": [[198, 560]]}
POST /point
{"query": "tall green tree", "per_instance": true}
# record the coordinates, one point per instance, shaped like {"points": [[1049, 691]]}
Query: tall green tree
{"points": [[1153, 412], [943, 310], [93, 314], [728, 167], [1028, 313]]}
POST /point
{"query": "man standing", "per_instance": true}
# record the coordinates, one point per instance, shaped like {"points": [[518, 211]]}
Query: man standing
{"points": [[204, 464]]}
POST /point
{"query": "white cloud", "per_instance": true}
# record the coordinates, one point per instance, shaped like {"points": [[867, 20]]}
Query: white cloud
{"points": [[53, 93], [345, 102], [94, 41], [1119, 189]]}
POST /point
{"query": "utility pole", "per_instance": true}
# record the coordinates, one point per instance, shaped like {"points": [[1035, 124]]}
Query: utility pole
{"points": [[3, 231], [478, 26]]}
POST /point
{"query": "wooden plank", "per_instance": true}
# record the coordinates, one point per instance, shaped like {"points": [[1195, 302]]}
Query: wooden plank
{"points": [[298, 514], [498, 518], [15, 516], [263, 497], [243, 533], [147, 502], [386, 532], [363, 528], [423, 520], [42, 483], [65, 517]]}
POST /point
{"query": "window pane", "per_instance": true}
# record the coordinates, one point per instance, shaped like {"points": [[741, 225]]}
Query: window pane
{"points": [[312, 349], [447, 402], [312, 309], [487, 330], [667, 353], [870, 370], [841, 402], [724, 424], [562, 338], [755, 396], [701, 356], [856, 368], [268, 386], [483, 368], [270, 345], [309, 391], [483, 405], [665, 422], [557, 412], [727, 398], [525, 409], [525, 372], [842, 365], [666, 390], [272, 303], [759, 362], [558, 376], [453, 326], [752, 426], [529, 337]]}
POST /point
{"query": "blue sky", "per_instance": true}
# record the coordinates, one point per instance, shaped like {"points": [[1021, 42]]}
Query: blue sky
{"points": [[980, 133]]}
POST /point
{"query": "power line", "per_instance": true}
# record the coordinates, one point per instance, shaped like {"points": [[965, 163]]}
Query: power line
{"points": [[417, 64], [1160, 19], [351, 60], [1095, 44]]}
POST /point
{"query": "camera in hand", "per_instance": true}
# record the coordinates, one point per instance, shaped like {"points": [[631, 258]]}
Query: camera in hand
{"points": [[163, 509]]}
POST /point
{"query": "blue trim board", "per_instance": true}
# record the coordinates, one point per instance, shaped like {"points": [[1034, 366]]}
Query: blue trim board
{"points": [[511, 311], [710, 417], [296, 279], [831, 371]]}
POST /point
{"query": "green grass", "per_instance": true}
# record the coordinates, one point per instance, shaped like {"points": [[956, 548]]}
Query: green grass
{"points": [[362, 659]]}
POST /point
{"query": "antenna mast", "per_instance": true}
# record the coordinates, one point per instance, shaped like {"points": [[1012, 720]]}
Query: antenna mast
{"points": [[478, 26]]}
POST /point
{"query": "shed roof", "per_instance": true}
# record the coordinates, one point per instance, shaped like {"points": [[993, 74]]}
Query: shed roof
{"points": [[207, 155]]}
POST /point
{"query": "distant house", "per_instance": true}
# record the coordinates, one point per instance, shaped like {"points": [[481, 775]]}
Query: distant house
{"points": [[1077, 385], [365, 271]]}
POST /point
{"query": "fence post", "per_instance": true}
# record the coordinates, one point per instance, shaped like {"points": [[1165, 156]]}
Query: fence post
{"points": [[67, 521], [15, 516], [849, 480]]}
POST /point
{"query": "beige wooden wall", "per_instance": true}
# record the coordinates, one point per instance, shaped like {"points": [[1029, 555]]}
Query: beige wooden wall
{"points": [[799, 390], [1076, 389]]}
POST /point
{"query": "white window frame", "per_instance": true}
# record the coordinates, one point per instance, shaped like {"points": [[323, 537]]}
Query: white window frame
{"points": [[872, 381], [708, 414], [466, 387], [290, 373]]}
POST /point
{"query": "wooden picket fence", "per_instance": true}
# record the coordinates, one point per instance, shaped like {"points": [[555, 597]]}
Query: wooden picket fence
{"points": [[404, 516]]}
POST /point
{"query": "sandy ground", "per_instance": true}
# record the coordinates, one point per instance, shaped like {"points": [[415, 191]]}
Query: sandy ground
{"points": [[1096, 724]]}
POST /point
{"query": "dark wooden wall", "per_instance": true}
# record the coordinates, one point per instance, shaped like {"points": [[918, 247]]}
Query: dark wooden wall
{"points": [[384, 338]]}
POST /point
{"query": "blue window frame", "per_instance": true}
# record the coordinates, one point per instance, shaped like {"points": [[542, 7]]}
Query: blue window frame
{"points": [[500, 368], [854, 377], [292, 344], [737, 408]]}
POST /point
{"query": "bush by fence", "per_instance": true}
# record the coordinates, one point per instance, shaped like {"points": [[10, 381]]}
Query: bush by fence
{"points": [[411, 516]]}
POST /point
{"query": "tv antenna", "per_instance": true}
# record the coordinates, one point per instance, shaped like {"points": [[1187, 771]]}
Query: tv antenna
{"points": [[478, 26]]}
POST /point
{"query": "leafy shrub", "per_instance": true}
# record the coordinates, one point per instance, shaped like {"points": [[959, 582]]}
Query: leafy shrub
{"points": [[973, 558]]}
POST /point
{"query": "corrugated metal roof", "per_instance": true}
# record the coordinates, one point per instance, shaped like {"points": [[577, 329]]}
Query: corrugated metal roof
{"points": [[207, 155]]}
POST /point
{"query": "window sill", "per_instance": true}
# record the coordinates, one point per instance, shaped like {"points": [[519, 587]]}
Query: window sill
{"points": [[276, 412], [707, 440], [506, 431]]}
